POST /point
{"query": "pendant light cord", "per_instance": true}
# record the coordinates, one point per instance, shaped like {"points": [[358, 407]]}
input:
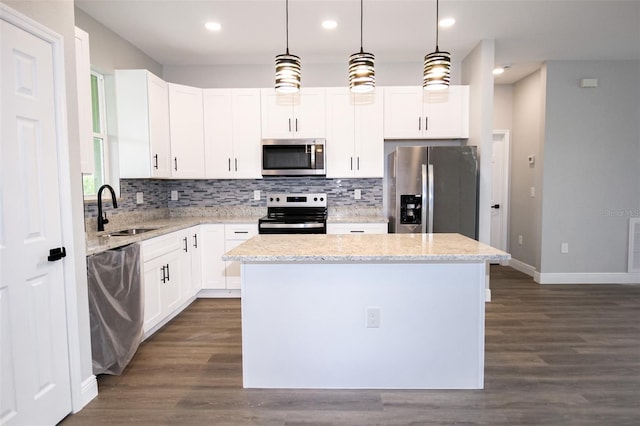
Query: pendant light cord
{"points": [[437, 16], [287, 23], [361, 22]]}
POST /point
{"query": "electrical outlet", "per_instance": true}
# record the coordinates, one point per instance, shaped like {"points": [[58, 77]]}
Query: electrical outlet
{"points": [[532, 191], [357, 194], [373, 318], [174, 195], [256, 195], [139, 198], [564, 248], [520, 239]]}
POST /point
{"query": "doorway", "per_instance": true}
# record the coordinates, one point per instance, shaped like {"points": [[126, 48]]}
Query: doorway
{"points": [[500, 169]]}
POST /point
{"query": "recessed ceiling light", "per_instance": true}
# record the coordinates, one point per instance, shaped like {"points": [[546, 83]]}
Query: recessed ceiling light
{"points": [[329, 24], [213, 26], [498, 71], [447, 22]]}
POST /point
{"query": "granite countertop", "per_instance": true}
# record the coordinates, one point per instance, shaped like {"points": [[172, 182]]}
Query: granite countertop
{"points": [[99, 242], [364, 248]]}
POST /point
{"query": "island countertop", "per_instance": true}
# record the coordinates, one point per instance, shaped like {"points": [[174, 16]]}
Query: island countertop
{"points": [[364, 248]]}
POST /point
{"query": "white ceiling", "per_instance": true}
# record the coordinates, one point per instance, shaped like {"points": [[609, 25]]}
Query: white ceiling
{"points": [[526, 33]]}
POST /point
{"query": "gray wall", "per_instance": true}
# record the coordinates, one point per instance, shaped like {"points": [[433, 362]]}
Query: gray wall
{"points": [[503, 107], [527, 137], [591, 165], [477, 70]]}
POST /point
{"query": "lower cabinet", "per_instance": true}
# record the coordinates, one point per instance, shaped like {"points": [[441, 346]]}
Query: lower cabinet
{"points": [[357, 228], [218, 239], [166, 278]]}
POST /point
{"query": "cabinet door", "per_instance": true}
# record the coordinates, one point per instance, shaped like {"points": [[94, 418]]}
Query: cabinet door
{"points": [[185, 280], [447, 113], [171, 290], [235, 235], [186, 129], [154, 273], [213, 267], [369, 135], [196, 260], [340, 133], [277, 114], [159, 137], [309, 114], [403, 112], [247, 161], [218, 133]]}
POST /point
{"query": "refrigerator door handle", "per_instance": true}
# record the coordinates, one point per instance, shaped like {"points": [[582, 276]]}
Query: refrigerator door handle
{"points": [[430, 196], [423, 209]]}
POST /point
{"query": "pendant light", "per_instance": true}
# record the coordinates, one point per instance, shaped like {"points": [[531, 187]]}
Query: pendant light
{"points": [[437, 66], [287, 67], [362, 75]]}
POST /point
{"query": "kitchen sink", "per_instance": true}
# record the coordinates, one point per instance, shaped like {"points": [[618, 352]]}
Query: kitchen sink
{"points": [[130, 231]]}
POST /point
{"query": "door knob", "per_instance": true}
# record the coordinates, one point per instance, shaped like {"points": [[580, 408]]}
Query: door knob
{"points": [[57, 254]]}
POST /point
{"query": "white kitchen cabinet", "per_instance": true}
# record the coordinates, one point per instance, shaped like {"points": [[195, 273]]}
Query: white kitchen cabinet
{"points": [[232, 133], [355, 139], [213, 267], [410, 112], [83, 77], [236, 234], [142, 103], [357, 228], [192, 261], [187, 131], [163, 277], [300, 115]]}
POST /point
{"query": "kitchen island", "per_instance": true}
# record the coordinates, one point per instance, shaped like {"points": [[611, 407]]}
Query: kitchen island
{"points": [[400, 311]]}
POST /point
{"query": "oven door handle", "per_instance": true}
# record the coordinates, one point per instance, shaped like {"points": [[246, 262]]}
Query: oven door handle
{"points": [[291, 225]]}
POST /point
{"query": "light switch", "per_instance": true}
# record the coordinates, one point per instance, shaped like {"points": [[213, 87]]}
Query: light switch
{"points": [[174, 195], [139, 198], [532, 191], [256, 195], [357, 194]]}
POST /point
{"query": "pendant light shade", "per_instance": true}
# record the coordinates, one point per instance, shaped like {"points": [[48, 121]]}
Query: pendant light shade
{"points": [[288, 69], [362, 73], [437, 66]]}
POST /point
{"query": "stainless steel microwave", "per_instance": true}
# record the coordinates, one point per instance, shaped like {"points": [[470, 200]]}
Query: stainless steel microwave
{"points": [[293, 157]]}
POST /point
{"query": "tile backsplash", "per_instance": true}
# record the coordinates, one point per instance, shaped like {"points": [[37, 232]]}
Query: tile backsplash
{"points": [[237, 193]]}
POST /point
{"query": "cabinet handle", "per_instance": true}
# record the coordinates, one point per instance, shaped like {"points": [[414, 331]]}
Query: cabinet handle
{"points": [[236, 164], [357, 231], [168, 279], [195, 240], [426, 123], [186, 246], [358, 163], [296, 124], [164, 276], [229, 163], [240, 232], [351, 163], [289, 124], [155, 161], [175, 163], [419, 123]]}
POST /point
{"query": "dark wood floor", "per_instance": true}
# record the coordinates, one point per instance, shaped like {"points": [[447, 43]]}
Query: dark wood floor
{"points": [[566, 355]]}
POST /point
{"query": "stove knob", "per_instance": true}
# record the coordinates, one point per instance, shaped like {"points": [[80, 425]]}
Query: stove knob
{"points": [[321, 198], [270, 198], [315, 198], [278, 199]]}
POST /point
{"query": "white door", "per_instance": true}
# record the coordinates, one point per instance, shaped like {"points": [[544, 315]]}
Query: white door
{"points": [[33, 339], [186, 130], [499, 189]]}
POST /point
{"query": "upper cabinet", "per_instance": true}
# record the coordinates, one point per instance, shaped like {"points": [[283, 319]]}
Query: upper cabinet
{"points": [[142, 102], [355, 140], [413, 113], [83, 76], [186, 130], [232, 133], [300, 115]]}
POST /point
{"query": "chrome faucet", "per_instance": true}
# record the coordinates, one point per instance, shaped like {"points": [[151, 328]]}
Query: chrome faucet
{"points": [[103, 219]]}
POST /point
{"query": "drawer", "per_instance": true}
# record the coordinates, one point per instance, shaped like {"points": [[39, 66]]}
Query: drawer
{"points": [[158, 246], [240, 231]]}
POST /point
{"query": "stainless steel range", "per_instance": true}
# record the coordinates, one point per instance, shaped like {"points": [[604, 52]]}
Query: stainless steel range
{"points": [[295, 214]]}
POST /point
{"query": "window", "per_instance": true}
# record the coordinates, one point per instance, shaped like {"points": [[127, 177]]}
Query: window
{"points": [[100, 176]]}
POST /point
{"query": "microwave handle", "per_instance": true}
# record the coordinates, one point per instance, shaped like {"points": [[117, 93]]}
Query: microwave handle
{"points": [[313, 156]]}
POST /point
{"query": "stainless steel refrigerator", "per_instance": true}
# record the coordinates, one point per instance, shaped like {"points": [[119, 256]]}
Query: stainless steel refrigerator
{"points": [[433, 189]]}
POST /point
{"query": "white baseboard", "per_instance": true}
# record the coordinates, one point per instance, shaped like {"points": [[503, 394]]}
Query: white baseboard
{"points": [[589, 278], [213, 293], [88, 391], [522, 267]]}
